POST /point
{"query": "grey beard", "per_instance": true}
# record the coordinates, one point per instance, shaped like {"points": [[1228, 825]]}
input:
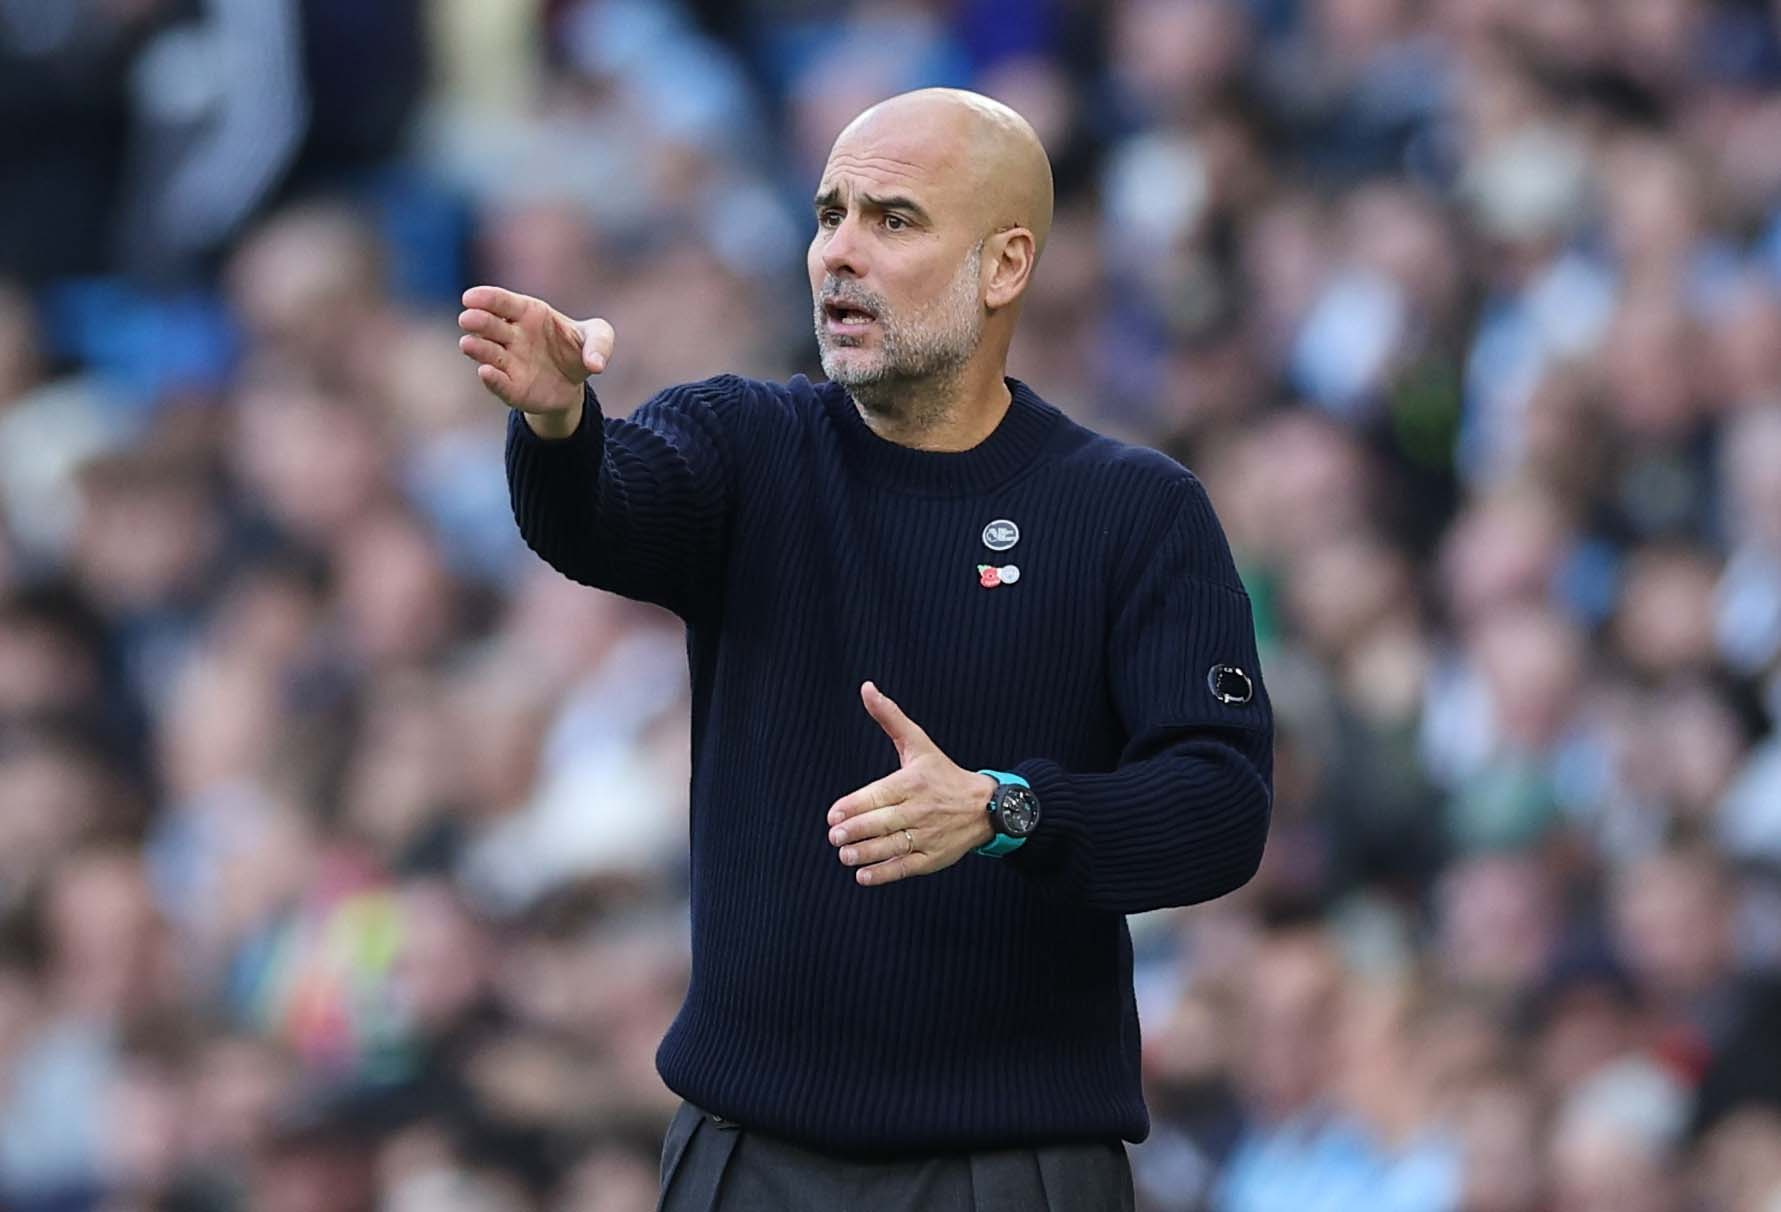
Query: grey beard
{"points": [[915, 397], [919, 361]]}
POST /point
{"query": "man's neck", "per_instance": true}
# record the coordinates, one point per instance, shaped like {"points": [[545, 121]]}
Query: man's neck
{"points": [[938, 414]]}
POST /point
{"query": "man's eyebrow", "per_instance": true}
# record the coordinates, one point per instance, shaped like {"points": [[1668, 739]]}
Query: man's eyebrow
{"points": [[895, 202], [832, 197]]}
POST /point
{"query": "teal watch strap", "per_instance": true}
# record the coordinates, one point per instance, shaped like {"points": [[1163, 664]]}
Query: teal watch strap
{"points": [[1001, 844]]}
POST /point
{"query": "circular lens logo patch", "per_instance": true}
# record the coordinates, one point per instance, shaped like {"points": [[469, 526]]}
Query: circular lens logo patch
{"points": [[1230, 685]]}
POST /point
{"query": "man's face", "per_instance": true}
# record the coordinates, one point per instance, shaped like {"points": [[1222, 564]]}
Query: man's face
{"points": [[895, 263]]}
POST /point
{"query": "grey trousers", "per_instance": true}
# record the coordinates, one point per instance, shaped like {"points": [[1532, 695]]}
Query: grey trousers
{"points": [[712, 1165]]}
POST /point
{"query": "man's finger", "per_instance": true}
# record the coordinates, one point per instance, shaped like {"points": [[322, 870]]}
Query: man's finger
{"points": [[903, 732], [496, 381], [483, 350], [897, 843], [891, 819], [503, 303], [893, 788], [892, 870], [487, 324]]}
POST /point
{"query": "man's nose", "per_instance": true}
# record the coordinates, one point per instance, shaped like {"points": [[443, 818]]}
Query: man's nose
{"points": [[843, 253]]}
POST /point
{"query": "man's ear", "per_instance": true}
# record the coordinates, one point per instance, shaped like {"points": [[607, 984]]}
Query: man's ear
{"points": [[1008, 258]]}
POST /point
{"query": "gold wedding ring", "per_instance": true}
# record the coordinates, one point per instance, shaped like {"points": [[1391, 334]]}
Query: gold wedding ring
{"points": [[910, 838]]}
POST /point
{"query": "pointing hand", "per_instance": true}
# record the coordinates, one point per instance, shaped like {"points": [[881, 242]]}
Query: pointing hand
{"points": [[532, 356]]}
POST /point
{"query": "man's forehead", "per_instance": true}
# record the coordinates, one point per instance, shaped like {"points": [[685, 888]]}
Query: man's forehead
{"points": [[881, 154]]}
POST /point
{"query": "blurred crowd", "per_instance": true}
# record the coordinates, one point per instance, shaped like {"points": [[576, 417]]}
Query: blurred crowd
{"points": [[342, 843]]}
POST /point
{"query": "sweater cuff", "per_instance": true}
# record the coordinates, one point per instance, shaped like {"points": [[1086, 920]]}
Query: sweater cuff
{"points": [[1061, 820]]}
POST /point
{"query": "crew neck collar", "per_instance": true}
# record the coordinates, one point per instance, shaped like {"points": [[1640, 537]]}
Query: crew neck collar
{"points": [[1016, 440]]}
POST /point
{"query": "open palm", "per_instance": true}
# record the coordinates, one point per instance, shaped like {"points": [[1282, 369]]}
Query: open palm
{"points": [[529, 354]]}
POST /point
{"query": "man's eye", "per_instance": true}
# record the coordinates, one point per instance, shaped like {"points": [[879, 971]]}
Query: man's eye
{"points": [[829, 218], [895, 222]]}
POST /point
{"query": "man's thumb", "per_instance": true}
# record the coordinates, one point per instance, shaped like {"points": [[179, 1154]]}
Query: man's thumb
{"points": [[902, 730], [597, 339]]}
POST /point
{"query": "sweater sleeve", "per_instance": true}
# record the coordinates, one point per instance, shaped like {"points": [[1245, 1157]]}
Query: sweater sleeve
{"points": [[1184, 815], [639, 507]]}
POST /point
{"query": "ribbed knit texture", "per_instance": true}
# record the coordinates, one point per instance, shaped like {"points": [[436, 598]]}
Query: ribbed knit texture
{"points": [[991, 1003]]}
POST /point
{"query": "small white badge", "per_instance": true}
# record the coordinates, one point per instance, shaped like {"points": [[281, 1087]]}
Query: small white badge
{"points": [[1000, 535], [1010, 574]]}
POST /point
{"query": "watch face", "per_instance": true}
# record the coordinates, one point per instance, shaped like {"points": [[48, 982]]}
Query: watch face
{"points": [[1020, 811]]}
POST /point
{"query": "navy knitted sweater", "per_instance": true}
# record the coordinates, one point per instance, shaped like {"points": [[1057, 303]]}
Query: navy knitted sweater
{"points": [[991, 1003]]}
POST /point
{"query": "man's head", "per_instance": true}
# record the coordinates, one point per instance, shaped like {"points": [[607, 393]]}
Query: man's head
{"points": [[930, 215]]}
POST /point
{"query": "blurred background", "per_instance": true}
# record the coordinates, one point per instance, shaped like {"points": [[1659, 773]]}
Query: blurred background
{"points": [[342, 842]]}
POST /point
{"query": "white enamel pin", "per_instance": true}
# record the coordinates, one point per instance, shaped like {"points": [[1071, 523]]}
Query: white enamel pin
{"points": [[1000, 535]]}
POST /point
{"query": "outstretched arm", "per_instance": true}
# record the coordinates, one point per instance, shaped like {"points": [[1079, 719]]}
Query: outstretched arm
{"points": [[637, 506]]}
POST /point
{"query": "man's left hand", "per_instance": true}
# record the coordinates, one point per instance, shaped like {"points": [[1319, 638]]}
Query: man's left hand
{"points": [[921, 819]]}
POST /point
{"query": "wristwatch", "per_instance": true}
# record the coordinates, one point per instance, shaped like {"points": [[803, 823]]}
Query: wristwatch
{"points": [[1013, 813]]}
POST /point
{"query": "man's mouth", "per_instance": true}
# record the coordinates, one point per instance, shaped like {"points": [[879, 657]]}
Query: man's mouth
{"points": [[847, 315]]}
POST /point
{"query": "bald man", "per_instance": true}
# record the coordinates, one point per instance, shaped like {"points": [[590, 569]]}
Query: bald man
{"points": [[970, 684]]}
